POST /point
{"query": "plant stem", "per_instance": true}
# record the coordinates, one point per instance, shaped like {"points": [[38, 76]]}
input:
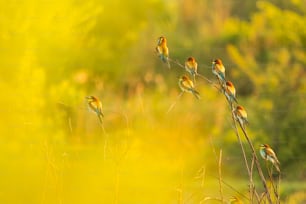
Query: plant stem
{"points": [[220, 176], [251, 184], [262, 177]]}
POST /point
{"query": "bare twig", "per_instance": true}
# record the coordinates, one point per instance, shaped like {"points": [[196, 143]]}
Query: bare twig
{"points": [[252, 189], [213, 147], [174, 103], [220, 176], [278, 186], [271, 180], [259, 170], [206, 79], [201, 175], [253, 186], [105, 141], [177, 63]]}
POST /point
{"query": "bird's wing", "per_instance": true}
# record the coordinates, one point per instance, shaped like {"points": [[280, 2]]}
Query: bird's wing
{"points": [[93, 106], [270, 152], [158, 49], [100, 110], [188, 84], [165, 50]]}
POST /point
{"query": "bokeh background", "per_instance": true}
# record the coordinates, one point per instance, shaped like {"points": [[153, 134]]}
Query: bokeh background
{"points": [[54, 53]]}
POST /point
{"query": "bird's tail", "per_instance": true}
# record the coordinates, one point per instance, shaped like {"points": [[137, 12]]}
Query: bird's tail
{"points": [[100, 116], [165, 59], [245, 121], [276, 166], [194, 78], [235, 99], [168, 63], [242, 121], [196, 94], [221, 82], [222, 77]]}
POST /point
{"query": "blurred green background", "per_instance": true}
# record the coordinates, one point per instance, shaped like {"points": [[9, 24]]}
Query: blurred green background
{"points": [[54, 53]]}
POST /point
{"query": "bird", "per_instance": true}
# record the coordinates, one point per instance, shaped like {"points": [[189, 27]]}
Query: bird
{"points": [[186, 85], [162, 50], [268, 154], [241, 115], [230, 92], [218, 70], [191, 66], [95, 105]]}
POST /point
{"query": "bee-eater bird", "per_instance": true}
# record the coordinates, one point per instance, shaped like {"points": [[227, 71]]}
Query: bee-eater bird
{"points": [[186, 85], [191, 66], [230, 92], [162, 50], [218, 70], [95, 105], [268, 154], [241, 115]]}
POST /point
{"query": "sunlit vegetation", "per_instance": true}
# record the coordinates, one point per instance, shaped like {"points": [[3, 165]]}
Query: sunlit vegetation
{"points": [[55, 53]]}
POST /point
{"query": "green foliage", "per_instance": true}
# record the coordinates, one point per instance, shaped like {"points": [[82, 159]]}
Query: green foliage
{"points": [[271, 54]]}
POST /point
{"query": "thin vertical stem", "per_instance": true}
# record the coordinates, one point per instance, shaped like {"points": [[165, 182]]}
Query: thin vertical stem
{"points": [[262, 177], [220, 176], [174, 103], [271, 180], [252, 189], [253, 186], [105, 141]]}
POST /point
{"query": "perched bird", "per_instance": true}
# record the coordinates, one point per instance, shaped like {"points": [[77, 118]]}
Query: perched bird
{"points": [[241, 115], [186, 85], [95, 105], [191, 66], [162, 50], [218, 70], [268, 154], [230, 92]]}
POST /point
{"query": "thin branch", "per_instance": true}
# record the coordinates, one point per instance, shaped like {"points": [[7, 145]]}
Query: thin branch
{"points": [[202, 174], [254, 190], [278, 186], [271, 180], [213, 147], [206, 79], [261, 175], [235, 190], [220, 175], [174, 103], [177, 63], [251, 184], [105, 140]]}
